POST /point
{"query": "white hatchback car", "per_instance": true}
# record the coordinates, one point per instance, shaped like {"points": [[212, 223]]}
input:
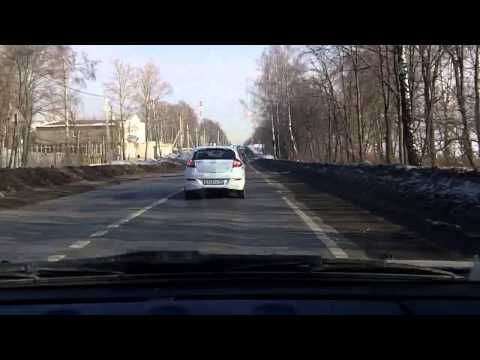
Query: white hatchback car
{"points": [[214, 167]]}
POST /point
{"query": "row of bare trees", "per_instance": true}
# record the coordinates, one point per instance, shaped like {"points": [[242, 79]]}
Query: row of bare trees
{"points": [[35, 83], [410, 104], [141, 90], [45, 82]]}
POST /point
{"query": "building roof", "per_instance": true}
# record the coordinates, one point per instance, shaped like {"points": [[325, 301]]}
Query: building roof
{"points": [[84, 122], [76, 123], [207, 147]]}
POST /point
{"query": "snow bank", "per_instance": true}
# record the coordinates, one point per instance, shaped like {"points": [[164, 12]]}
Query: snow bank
{"points": [[445, 199]]}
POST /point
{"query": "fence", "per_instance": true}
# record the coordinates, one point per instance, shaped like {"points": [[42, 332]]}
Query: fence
{"points": [[48, 155]]}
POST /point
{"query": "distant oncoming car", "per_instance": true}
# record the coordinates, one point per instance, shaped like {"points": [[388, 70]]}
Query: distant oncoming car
{"points": [[215, 167]]}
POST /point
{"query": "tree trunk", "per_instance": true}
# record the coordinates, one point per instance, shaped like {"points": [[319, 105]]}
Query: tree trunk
{"points": [[348, 139], [329, 145], [274, 140], [358, 105], [386, 105], [147, 133], [67, 124], [13, 147], [108, 140], [399, 109], [26, 137], [429, 86], [477, 94], [290, 129], [411, 153], [122, 122], [278, 132], [458, 68]]}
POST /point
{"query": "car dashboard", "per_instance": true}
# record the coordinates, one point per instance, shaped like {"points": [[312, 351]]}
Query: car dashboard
{"points": [[331, 299]]}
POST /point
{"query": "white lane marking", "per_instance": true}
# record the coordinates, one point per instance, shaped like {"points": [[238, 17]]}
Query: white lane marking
{"points": [[135, 215], [99, 233], [54, 258], [434, 263], [80, 244], [331, 245], [142, 211], [320, 232]]}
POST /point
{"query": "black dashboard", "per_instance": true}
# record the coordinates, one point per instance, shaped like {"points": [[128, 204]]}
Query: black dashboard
{"points": [[331, 299]]}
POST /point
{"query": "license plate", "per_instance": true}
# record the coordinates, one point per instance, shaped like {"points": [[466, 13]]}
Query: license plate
{"points": [[213, 182]]}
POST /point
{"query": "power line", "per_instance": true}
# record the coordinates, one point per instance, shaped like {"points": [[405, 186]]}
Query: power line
{"points": [[78, 90], [86, 92]]}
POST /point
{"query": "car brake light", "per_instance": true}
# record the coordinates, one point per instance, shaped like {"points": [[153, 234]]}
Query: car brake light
{"points": [[237, 163], [191, 163]]}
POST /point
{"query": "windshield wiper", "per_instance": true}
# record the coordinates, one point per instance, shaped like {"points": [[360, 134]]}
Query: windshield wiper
{"points": [[16, 272], [326, 266], [168, 262]]}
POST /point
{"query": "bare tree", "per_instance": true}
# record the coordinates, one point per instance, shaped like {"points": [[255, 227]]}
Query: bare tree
{"points": [[341, 110], [72, 70], [384, 67], [405, 103], [121, 91], [35, 88], [7, 105], [476, 67], [456, 53], [430, 61], [151, 88]]}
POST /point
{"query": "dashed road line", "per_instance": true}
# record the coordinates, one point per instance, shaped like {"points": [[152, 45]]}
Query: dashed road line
{"points": [[138, 213], [80, 244], [99, 233], [134, 215], [55, 258], [83, 243]]}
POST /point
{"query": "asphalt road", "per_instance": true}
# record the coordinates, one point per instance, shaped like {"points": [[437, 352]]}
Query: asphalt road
{"points": [[278, 216]]}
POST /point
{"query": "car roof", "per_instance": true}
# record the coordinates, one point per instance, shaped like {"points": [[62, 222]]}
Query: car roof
{"points": [[213, 147]]}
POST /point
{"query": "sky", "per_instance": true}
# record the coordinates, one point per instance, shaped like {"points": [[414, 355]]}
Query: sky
{"points": [[216, 75]]}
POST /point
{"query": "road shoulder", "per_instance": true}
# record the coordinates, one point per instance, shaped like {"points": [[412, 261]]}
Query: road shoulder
{"points": [[36, 195]]}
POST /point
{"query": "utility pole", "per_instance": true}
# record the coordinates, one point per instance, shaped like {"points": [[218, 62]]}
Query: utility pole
{"points": [[160, 121], [154, 114], [200, 110], [181, 132], [67, 125], [108, 118]]}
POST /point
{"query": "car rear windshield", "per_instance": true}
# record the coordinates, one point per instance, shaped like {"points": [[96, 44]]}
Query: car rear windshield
{"points": [[214, 154]]}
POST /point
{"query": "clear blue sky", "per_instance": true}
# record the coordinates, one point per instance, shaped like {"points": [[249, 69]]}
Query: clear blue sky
{"points": [[217, 75]]}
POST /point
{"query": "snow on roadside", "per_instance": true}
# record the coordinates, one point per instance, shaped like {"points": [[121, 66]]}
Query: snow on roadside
{"points": [[142, 162], [442, 195], [459, 184]]}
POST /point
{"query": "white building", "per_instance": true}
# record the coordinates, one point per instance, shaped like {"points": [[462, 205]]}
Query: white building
{"points": [[88, 139]]}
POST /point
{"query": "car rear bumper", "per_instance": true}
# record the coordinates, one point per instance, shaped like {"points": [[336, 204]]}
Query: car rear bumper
{"points": [[231, 184]]}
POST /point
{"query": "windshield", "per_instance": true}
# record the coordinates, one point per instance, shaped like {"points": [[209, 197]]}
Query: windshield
{"points": [[365, 153], [214, 154]]}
